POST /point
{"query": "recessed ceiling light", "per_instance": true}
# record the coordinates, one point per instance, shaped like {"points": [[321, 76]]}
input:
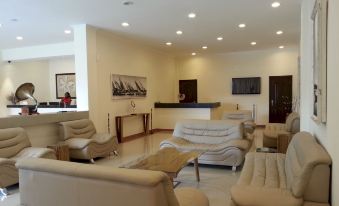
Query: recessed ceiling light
{"points": [[193, 54], [192, 15], [128, 3], [275, 4], [124, 24], [280, 32], [168, 43], [204, 47], [68, 31], [179, 32], [253, 43], [281, 47], [19, 38], [220, 38], [242, 25]]}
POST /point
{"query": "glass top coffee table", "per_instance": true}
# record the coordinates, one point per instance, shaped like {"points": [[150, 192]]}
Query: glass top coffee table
{"points": [[168, 160]]}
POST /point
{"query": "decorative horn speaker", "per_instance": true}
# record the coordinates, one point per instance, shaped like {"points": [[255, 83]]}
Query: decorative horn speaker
{"points": [[24, 92]]}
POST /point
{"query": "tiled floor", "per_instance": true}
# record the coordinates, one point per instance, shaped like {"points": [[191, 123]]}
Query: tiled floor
{"points": [[215, 181]]}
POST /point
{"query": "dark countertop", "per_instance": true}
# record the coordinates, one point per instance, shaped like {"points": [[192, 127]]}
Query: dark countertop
{"points": [[42, 106], [187, 105]]}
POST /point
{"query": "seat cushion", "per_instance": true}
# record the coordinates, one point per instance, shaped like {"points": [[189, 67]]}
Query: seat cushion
{"points": [[190, 196], [8, 172], [35, 152], [81, 143]]}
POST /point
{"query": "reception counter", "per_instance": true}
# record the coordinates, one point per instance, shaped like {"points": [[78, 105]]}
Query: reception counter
{"points": [[165, 115], [16, 109]]}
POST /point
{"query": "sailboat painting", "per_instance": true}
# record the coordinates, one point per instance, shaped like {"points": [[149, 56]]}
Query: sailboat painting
{"points": [[128, 87]]}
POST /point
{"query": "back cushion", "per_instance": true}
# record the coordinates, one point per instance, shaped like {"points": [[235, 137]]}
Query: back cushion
{"points": [[303, 155], [244, 115], [208, 131], [12, 141], [293, 123], [83, 128]]}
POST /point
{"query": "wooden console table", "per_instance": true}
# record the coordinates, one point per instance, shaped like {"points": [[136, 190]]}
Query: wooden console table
{"points": [[119, 123]]}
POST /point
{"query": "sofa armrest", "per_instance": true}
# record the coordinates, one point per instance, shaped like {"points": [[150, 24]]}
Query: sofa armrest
{"points": [[260, 196]]}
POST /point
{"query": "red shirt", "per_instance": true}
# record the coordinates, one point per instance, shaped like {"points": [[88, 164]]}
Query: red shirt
{"points": [[66, 100]]}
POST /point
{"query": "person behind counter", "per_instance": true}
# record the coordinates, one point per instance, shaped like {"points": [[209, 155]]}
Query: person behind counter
{"points": [[67, 99]]}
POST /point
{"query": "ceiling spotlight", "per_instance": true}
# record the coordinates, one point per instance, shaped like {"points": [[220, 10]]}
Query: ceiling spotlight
{"points": [[275, 4], [193, 54], [242, 25], [220, 38], [281, 47], [124, 24], [280, 32], [68, 31], [179, 32], [128, 3], [192, 15], [253, 43], [204, 47], [168, 43], [19, 38]]}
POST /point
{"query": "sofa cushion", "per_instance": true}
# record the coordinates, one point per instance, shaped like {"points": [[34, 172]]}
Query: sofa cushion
{"points": [[190, 196], [293, 123], [34, 152], [208, 131], [83, 128], [80, 143], [12, 140]]}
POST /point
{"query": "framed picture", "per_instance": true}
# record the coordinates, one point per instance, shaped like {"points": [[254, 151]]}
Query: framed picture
{"points": [[319, 17], [65, 83], [128, 87]]}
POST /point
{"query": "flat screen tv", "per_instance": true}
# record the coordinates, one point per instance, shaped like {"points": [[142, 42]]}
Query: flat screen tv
{"points": [[250, 85]]}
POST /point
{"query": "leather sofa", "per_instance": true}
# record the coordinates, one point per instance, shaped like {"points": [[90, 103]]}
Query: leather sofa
{"points": [[54, 183], [273, 130], [15, 145], [84, 142], [222, 141], [301, 177], [243, 116]]}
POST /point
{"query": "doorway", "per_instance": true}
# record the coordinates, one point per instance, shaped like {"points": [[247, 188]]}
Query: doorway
{"points": [[189, 89], [280, 98]]}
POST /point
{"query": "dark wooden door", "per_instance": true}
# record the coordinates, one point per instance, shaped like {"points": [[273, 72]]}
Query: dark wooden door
{"points": [[189, 89], [280, 88]]}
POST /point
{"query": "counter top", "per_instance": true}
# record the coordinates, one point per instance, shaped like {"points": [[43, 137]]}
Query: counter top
{"points": [[42, 106], [187, 105]]}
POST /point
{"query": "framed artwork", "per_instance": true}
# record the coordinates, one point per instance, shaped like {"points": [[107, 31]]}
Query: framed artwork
{"points": [[65, 83], [128, 87], [319, 17]]}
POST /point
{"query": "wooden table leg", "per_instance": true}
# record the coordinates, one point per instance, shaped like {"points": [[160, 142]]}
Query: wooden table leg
{"points": [[196, 167], [146, 123], [118, 128]]}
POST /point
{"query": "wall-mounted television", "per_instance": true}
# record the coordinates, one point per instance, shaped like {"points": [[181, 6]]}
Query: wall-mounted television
{"points": [[249, 85]]}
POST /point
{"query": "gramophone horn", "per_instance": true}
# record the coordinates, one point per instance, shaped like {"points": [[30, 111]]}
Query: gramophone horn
{"points": [[26, 91]]}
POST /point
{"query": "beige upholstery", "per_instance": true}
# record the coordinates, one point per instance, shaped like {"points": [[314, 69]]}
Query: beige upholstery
{"points": [[66, 183], [221, 140], [272, 130], [243, 116], [15, 145], [84, 142], [301, 177]]}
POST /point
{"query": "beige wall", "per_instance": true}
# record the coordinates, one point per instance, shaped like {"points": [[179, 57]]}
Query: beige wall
{"points": [[215, 73], [116, 55], [327, 134]]}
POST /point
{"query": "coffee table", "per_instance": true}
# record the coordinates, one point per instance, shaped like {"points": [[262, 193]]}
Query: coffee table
{"points": [[168, 160]]}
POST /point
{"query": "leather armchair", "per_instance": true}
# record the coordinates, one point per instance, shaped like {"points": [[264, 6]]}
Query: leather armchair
{"points": [[84, 142], [272, 130], [15, 145]]}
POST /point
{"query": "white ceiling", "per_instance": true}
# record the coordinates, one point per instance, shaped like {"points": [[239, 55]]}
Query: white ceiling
{"points": [[155, 22]]}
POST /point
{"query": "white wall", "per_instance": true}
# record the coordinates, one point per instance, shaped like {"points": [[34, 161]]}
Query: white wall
{"points": [[58, 66], [327, 134], [117, 55], [215, 73]]}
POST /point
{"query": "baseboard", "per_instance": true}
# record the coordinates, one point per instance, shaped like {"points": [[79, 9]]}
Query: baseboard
{"points": [[260, 126], [162, 130], [133, 137]]}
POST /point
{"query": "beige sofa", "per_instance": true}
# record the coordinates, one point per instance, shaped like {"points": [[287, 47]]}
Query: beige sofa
{"points": [[55, 183], [272, 130], [243, 116], [84, 142], [15, 145], [222, 141], [301, 177]]}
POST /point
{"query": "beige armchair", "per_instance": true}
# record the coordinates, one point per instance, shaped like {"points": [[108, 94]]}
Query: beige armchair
{"points": [[272, 130], [15, 145], [84, 142], [58, 183]]}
